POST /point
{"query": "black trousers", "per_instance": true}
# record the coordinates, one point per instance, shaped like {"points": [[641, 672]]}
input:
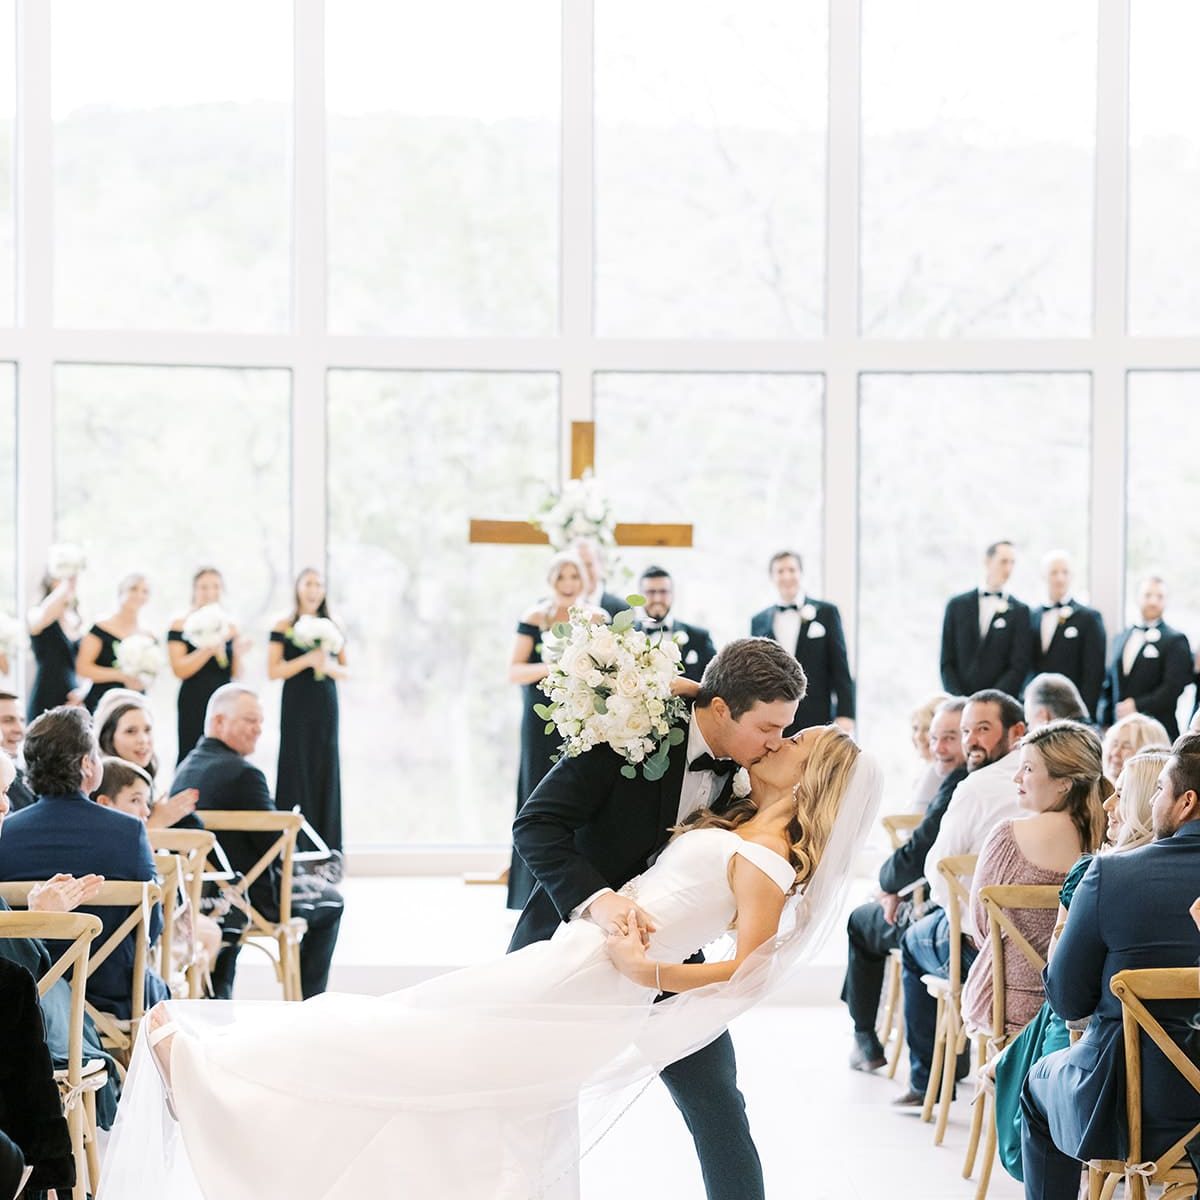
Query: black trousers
{"points": [[871, 939]]}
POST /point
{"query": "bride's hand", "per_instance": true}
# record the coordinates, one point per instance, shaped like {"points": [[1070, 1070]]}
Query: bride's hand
{"points": [[626, 949]]}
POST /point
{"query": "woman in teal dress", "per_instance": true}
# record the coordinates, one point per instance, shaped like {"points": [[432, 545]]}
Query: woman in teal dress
{"points": [[1129, 827]]}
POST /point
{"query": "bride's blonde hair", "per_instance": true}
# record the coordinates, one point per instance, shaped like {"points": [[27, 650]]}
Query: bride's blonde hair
{"points": [[818, 792]]}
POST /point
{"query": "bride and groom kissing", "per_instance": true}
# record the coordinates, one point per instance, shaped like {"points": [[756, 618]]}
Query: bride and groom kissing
{"points": [[468, 1085]]}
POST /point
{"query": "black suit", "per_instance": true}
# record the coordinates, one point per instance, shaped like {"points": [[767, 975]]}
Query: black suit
{"points": [[695, 646], [821, 650], [19, 794], [971, 663], [612, 604], [226, 780], [587, 827], [1160, 672], [1076, 650]]}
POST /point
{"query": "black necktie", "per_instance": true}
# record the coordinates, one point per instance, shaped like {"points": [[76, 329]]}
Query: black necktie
{"points": [[718, 766], [787, 608]]}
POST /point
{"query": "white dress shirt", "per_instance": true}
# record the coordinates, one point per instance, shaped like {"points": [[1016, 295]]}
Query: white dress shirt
{"points": [[986, 797], [1050, 621], [786, 626], [989, 606], [1133, 646]]}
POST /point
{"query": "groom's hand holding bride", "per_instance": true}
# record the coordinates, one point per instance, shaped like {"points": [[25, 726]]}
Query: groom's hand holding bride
{"points": [[617, 914]]}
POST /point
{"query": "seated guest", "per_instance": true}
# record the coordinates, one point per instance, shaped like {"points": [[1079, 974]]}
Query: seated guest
{"points": [[992, 726], [1051, 697], [1068, 637], [218, 769], [928, 780], [874, 928], [1128, 810], [985, 632], [65, 831], [1129, 911], [1059, 786], [1129, 736], [695, 644], [12, 737], [1151, 665]]}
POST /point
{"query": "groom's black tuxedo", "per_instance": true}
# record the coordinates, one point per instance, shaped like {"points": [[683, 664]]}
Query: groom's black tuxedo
{"points": [[587, 827]]}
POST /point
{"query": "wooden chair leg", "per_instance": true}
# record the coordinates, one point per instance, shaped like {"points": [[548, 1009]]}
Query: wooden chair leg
{"points": [[1110, 1186], [78, 1151], [935, 1067], [979, 1106], [989, 1158], [898, 1052], [89, 1142], [953, 1045], [887, 1020]]}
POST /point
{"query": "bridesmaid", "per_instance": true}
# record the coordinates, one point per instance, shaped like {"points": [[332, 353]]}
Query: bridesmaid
{"points": [[566, 579], [309, 772], [97, 658], [54, 632], [200, 669]]}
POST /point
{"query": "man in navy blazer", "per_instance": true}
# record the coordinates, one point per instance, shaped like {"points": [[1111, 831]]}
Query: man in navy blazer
{"points": [[1129, 912], [66, 832], [985, 632], [811, 631]]}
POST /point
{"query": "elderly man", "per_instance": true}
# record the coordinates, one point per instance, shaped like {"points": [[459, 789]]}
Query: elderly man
{"points": [[12, 737], [1050, 697], [218, 769]]}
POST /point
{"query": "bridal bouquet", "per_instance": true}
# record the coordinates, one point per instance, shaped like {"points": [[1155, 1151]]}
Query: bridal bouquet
{"points": [[65, 560], [309, 633], [209, 628], [11, 632], [580, 510], [139, 655], [611, 686]]}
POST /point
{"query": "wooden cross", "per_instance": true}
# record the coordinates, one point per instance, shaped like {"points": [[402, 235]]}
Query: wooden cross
{"points": [[583, 457]]}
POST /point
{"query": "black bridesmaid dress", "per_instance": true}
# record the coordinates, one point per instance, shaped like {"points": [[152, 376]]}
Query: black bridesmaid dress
{"points": [[537, 750], [54, 652], [106, 658], [194, 694], [309, 770]]}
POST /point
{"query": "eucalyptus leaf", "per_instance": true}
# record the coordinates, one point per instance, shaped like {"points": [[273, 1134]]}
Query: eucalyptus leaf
{"points": [[629, 772], [636, 601], [654, 770], [623, 621], [544, 711], [600, 704], [675, 736], [549, 727], [561, 630]]}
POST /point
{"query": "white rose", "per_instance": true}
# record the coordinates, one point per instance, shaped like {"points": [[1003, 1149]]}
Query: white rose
{"points": [[581, 666], [603, 646], [629, 683], [594, 679], [637, 724], [655, 707]]}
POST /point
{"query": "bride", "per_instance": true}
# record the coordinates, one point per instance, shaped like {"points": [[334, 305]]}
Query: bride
{"points": [[486, 1081]]}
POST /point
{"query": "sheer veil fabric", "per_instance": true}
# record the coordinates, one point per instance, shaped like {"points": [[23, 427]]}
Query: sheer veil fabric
{"points": [[490, 1081]]}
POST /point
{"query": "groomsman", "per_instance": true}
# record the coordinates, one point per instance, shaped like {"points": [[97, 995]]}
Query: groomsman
{"points": [[1150, 666], [811, 630], [1068, 637], [985, 632], [695, 644], [591, 554]]}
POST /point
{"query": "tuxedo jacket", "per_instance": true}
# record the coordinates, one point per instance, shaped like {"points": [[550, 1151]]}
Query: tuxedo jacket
{"points": [[1155, 682], [1076, 650], [1107, 934], [907, 864], [586, 827], [821, 651], [971, 663], [612, 604], [78, 836], [226, 780], [697, 649]]}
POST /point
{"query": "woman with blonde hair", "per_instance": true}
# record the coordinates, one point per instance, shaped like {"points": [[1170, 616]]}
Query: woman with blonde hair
{"points": [[1126, 737], [927, 780], [97, 658]]}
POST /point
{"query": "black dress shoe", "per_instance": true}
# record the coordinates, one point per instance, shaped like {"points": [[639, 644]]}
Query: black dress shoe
{"points": [[868, 1053], [910, 1099]]}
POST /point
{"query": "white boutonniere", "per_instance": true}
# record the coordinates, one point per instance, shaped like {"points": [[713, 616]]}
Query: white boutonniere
{"points": [[681, 638], [808, 612], [999, 623], [816, 630], [741, 783], [1153, 635], [1071, 631]]}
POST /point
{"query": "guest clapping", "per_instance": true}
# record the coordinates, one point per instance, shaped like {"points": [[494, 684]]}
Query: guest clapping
{"points": [[55, 630], [97, 659]]}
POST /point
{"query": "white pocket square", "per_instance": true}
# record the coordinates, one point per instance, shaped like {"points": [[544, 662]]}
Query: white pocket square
{"points": [[1150, 652], [816, 630], [1070, 632], [692, 657]]}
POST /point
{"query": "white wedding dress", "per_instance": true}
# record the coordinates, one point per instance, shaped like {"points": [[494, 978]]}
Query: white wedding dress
{"points": [[467, 1086]]}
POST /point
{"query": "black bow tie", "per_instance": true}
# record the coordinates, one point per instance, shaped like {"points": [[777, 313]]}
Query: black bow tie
{"points": [[1144, 628], [787, 608], [655, 627], [718, 766], [998, 595]]}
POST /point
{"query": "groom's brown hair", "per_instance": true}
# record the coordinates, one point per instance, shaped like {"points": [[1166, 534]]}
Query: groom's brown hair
{"points": [[750, 671]]}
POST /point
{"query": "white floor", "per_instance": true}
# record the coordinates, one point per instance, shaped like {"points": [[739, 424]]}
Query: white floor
{"points": [[823, 1131]]}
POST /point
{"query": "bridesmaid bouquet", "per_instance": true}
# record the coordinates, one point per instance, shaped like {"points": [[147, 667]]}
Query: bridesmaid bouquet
{"points": [[310, 632], [140, 655], [209, 628], [65, 560], [611, 686], [11, 633]]}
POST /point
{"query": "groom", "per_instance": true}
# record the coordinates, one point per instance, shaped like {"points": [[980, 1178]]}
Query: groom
{"points": [[586, 830]]}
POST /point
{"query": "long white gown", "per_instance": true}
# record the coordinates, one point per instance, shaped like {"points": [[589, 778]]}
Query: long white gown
{"points": [[460, 1088]]}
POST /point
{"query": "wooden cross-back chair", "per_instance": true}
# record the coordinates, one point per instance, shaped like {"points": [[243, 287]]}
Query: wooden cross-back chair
{"points": [[1170, 1169], [192, 848], [1000, 901], [279, 940], [76, 1085]]}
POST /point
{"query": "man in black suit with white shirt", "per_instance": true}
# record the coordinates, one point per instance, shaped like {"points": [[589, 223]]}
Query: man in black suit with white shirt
{"points": [[811, 631], [985, 632], [1150, 666], [696, 647], [1068, 638]]}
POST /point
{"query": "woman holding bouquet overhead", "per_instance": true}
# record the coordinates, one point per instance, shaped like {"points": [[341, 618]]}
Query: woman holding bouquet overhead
{"points": [[204, 649], [117, 651], [54, 632], [307, 652]]}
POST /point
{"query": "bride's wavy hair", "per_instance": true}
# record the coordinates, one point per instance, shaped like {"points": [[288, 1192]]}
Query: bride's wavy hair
{"points": [[818, 792]]}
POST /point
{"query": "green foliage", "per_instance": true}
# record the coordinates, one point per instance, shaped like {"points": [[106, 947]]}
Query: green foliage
{"points": [[544, 711], [635, 601], [629, 772], [675, 736], [622, 621]]}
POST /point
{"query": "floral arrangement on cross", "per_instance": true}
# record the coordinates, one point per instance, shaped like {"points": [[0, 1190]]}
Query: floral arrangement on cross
{"points": [[580, 509], [610, 685]]}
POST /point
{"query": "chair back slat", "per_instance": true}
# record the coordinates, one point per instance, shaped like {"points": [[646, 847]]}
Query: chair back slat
{"points": [[999, 901], [954, 868]]}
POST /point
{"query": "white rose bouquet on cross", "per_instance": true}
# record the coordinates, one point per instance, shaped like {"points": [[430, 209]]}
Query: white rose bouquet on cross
{"points": [[581, 509], [610, 685]]}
